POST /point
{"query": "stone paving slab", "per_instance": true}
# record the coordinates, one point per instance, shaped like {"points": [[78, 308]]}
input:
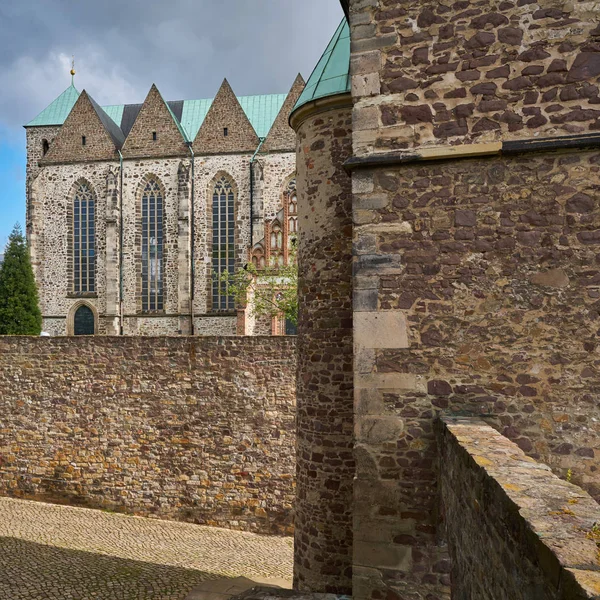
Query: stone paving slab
{"points": [[50, 552]]}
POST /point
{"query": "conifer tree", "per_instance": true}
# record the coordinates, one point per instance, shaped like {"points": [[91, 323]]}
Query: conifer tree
{"points": [[19, 310]]}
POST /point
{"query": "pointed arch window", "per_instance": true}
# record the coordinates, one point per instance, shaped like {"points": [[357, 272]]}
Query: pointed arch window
{"points": [[152, 247], [292, 212], [84, 240], [223, 244]]}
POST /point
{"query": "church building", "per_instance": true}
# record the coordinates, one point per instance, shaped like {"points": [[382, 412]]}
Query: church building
{"points": [[133, 210]]}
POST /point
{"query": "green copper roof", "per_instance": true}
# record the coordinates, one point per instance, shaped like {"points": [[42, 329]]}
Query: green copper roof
{"points": [[193, 115], [332, 73], [115, 112], [262, 111], [57, 112]]}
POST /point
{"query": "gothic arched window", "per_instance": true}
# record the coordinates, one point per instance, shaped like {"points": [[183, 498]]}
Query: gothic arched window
{"points": [[84, 240], [276, 245], [292, 211], [223, 242], [152, 247]]}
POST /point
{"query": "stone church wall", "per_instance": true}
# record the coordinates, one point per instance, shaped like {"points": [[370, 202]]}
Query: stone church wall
{"points": [[475, 267], [515, 530], [194, 429], [51, 194]]}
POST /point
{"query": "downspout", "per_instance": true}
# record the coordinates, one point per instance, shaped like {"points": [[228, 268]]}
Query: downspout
{"points": [[192, 245], [252, 161], [121, 322]]}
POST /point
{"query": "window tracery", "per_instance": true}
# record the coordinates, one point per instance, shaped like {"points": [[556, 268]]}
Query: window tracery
{"points": [[152, 246], [223, 245], [84, 240]]}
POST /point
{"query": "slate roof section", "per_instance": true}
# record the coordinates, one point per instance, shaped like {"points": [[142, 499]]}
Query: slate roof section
{"points": [[113, 129], [261, 110], [332, 73]]}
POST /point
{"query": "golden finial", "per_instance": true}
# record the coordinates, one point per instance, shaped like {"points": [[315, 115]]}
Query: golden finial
{"points": [[72, 69]]}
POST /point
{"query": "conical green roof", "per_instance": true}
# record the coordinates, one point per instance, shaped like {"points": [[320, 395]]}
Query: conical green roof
{"points": [[57, 112], [332, 73]]}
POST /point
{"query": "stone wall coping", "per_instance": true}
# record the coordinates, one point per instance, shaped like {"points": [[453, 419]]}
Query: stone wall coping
{"points": [[560, 520]]}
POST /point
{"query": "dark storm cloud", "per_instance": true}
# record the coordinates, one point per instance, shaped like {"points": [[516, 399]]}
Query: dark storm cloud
{"points": [[186, 47]]}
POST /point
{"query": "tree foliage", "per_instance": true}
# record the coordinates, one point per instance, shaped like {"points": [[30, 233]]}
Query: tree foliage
{"points": [[19, 309], [272, 291]]}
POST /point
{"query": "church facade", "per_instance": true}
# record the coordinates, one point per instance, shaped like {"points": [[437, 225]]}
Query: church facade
{"points": [[133, 210]]}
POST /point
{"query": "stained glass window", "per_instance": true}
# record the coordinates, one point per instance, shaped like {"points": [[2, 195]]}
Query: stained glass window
{"points": [[84, 241], [223, 246], [152, 247]]}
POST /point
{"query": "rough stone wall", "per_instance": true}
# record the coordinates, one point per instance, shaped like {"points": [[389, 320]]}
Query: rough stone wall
{"points": [[155, 117], [51, 195], [35, 148], [486, 269], [473, 278], [226, 112], [278, 169], [83, 120], [193, 429], [515, 530], [323, 544], [433, 73]]}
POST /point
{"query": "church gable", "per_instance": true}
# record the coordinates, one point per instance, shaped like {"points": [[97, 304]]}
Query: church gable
{"points": [[281, 136], [156, 131], [226, 128], [88, 134]]}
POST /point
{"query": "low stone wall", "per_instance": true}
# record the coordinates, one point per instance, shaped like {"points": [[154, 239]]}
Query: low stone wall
{"points": [[194, 429], [515, 530]]}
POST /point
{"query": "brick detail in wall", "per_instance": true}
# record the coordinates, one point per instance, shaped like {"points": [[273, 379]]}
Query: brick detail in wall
{"points": [[225, 113], [193, 429], [429, 74], [282, 137], [323, 545], [515, 529], [83, 120], [155, 118]]}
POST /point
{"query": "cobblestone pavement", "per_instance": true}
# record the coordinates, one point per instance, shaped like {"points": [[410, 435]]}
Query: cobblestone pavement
{"points": [[50, 552]]}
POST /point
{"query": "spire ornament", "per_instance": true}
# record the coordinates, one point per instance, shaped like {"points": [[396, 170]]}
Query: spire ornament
{"points": [[73, 69]]}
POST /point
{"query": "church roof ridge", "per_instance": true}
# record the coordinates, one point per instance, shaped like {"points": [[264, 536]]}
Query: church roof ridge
{"points": [[261, 110]]}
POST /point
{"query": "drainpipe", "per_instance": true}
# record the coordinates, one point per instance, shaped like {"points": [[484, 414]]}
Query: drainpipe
{"points": [[121, 323], [252, 161], [192, 245]]}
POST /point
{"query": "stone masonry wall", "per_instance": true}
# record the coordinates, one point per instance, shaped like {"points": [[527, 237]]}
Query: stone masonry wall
{"points": [[226, 113], [515, 530], [477, 284], [323, 545], [83, 121], [155, 117], [195, 429], [438, 73]]}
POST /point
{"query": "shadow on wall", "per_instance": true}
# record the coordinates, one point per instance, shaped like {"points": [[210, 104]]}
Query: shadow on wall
{"points": [[32, 571]]}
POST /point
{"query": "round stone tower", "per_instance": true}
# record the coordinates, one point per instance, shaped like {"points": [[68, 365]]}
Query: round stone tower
{"points": [[322, 120]]}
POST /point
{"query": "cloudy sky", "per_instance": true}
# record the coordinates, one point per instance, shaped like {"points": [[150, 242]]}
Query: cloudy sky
{"points": [[121, 47]]}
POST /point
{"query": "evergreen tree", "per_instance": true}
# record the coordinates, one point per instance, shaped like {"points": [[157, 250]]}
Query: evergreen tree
{"points": [[19, 310]]}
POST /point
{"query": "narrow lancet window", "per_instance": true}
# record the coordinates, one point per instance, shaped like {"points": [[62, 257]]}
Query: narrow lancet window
{"points": [[152, 247], [84, 241], [223, 247]]}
